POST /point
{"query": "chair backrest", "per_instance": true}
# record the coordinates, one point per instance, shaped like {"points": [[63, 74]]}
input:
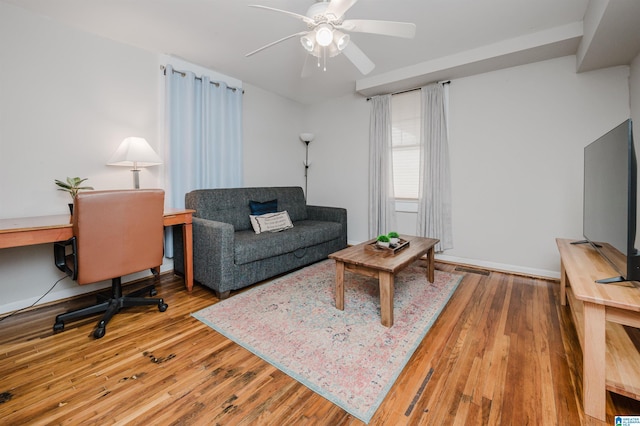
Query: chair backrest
{"points": [[118, 232]]}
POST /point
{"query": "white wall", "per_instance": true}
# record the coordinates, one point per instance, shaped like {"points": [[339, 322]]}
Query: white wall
{"points": [[67, 100], [273, 151], [339, 171], [634, 95], [516, 140]]}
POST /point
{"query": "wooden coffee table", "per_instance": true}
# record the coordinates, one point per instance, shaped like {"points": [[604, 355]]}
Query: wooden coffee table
{"points": [[360, 261]]}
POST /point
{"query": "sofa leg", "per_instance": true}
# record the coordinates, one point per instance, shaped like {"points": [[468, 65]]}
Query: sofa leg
{"points": [[222, 294]]}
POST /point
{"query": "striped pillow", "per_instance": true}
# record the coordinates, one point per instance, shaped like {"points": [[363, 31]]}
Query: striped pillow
{"points": [[271, 222]]}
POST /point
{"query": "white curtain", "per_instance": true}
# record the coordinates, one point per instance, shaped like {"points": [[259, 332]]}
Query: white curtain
{"points": [[382, 211], [434, 192], [203, 136]]}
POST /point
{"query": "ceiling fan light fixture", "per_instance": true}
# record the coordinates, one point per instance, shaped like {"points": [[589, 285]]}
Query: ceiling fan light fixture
{"points": [[341, 39], [307, 43], [324, 35]]}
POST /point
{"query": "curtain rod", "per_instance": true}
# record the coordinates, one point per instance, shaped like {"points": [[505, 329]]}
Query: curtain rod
{"points": [[412, 90], [183, 73]]}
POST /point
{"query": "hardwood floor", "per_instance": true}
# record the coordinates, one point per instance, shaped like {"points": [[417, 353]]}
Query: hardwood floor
{"points": [[496, 355]]}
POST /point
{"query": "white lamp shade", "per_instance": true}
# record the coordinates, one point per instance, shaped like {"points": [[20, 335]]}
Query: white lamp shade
{"points": [[136, 152], [307, 43], [324, 35], [306, 137]]}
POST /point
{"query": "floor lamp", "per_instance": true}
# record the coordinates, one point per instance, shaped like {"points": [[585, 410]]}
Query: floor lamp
{"points": [[306, 138]]}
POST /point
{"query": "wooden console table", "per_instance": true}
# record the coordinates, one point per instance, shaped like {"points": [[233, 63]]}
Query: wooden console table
{"points": [[27, 231], [610, 360]]}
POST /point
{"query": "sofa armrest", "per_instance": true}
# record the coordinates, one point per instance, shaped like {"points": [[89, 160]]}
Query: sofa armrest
{"points": [[213, 253], [329, 214]]}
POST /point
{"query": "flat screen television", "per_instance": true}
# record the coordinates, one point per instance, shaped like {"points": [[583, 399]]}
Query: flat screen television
{"points": [[610, 195]]}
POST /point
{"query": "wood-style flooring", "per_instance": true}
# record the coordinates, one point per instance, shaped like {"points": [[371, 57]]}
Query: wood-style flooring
{"points": [[503, 351]]}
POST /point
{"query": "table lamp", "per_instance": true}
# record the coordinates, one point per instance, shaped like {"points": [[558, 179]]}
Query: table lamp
{"points": [[135, 152]]}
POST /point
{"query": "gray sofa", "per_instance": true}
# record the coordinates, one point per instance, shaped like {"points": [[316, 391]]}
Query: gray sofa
{"points": [[229, 255]]}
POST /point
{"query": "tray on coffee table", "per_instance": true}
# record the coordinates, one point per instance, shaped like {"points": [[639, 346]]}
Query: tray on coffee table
{"points": [[373, 248]]}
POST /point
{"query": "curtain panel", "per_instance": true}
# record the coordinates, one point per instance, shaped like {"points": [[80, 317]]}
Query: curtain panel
{"points": [[203, 136], [434, 218], [382, 211]]}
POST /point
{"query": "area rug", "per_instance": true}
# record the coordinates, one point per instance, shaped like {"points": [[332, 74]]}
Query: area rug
{"points": [[347, 357]]}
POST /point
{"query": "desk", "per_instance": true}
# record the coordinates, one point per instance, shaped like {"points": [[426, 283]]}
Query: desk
{"points": [[610, 360], [26, 231]]}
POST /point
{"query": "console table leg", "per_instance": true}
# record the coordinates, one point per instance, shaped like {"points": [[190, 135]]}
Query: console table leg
{"points": [[593, 373]]}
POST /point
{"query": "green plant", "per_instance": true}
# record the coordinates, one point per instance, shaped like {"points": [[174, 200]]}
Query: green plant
{"points": [[393, 234], [72, 186], [383, 238]]}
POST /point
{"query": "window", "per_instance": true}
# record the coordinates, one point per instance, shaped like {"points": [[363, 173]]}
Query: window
{"points": [[405, 123]]}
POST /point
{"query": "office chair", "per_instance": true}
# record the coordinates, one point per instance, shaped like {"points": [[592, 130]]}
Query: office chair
{"points": [[115, 233]]}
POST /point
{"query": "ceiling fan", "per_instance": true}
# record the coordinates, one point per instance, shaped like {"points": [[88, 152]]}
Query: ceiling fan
{"points": [[325, 35]]}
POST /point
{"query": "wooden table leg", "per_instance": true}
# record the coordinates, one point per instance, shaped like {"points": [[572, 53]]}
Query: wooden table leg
{"points": [[386, 298], [340, 285], [431, 267], [187, 238], [594, 352]]}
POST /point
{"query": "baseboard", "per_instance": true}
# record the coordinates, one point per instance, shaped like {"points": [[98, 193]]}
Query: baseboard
{"points": [[501, 267], [493, 266]]}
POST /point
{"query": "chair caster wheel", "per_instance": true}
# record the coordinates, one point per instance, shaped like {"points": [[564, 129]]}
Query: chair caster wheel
{"points": [[153, 292], [57, 327], [162, 307], [100, 331]]}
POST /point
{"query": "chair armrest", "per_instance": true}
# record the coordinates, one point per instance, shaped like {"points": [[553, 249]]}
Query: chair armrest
{"points": [[61, 258]]}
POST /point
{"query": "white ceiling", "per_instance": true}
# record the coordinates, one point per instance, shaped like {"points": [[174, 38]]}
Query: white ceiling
{"points": [[454, 37]]}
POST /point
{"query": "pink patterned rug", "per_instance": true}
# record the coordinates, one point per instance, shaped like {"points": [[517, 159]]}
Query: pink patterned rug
{"points": [[347, 356]]}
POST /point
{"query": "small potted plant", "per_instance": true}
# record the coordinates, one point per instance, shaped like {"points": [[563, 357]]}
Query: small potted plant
{"points": [[394, 238], [72, 186], [383, 241]]}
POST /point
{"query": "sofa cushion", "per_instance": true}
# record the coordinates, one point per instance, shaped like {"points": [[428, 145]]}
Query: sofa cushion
{"points": [[250, 247]]}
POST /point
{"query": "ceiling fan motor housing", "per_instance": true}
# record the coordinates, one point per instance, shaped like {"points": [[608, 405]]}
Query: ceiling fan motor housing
{"points": [[316, 12]]}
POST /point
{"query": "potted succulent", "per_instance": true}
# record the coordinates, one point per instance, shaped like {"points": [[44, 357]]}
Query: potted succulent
{"points": [[394, 238], [72, 186], [383, 241]]}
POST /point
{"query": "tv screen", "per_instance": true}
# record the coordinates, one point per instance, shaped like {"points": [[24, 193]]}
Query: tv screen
{"points": [[610, 192]]}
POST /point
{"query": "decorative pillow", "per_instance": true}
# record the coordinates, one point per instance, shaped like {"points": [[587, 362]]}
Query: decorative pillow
{"points": [[258, 208], [271, 222]]}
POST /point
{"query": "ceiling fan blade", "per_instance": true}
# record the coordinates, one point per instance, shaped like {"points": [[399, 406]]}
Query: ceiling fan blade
{"points": [[337, 8], [389, 28], [359, 59], [276, 42], [306, 19]]}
